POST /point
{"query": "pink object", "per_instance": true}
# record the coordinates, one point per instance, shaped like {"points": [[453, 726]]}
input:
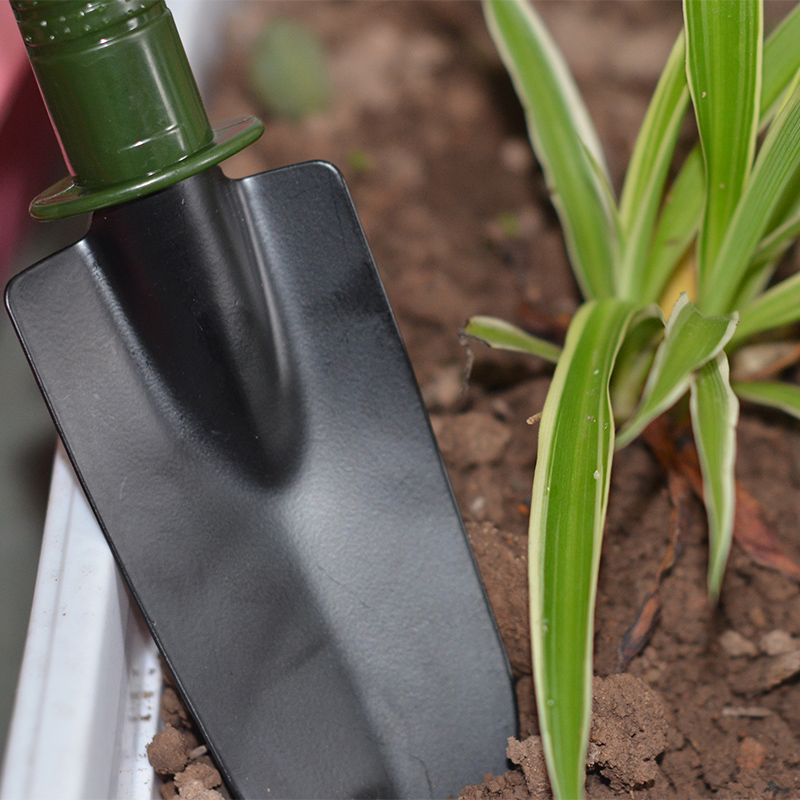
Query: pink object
{"points": [[13, 60], [28, 148]]}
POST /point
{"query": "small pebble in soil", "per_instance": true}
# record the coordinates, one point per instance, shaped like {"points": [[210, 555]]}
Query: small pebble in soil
{"points": [[751, 754], [516, 155], [445, 389], [736, 646], [767, 673], [778, 643], [781, 669]]}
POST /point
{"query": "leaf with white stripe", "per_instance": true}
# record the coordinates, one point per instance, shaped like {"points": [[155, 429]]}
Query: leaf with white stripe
{"points": [[562, 134], [568, 508], [772, 394], [677, 227], [690, 340], [503, 335], [724, 71], [643, 190], [724, 41], [781, 65], [680, 217], [715, 412], [778, 306], [777, 168]]}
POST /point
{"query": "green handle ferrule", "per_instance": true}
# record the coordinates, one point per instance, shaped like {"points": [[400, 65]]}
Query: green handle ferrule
{"points": [[122, 99]]}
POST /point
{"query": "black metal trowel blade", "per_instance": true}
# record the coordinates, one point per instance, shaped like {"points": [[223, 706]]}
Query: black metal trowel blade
{"points": [[226, 373]]}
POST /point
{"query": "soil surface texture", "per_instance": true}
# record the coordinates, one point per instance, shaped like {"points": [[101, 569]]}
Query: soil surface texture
{"points": [[428, 132]]}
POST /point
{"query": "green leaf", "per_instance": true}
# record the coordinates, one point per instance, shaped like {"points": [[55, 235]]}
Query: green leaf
{"points": [[681, 214], [773, 394], [781, 65], [715, 411], [782, 230], [634, 360], [677, 226], [562, 133], [691, 339], [779, 234], [784, 224], [778, 306], [647, 172], [288, 71], [771, 248], [504, 336], [775, 244], [781, 76], [776, 169], [762, 266], [610, 203], [723, 63], [568, 507]]}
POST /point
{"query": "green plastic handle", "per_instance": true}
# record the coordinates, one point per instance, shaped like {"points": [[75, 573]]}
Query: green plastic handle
{"points": [[122, 100]]}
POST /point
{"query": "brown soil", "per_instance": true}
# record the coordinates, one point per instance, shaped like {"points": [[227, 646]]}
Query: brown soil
{"points": [[711, 707], [176, 755]]}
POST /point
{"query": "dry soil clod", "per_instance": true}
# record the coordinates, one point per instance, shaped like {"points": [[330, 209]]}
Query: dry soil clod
{"points": [[628, 733], [167, 752]]}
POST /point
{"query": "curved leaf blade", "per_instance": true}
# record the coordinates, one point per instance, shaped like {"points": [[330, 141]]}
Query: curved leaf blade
{"points": [[643, 190], [503, 335], [635, 359], [568, 507], [690, 340], [772, 394], [766, 257], [715, 412], [677, 226], [778, 306], [562, 133]]}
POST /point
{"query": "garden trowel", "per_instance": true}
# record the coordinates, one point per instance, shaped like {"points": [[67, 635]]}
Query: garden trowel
{"points": [[226, 374]]}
